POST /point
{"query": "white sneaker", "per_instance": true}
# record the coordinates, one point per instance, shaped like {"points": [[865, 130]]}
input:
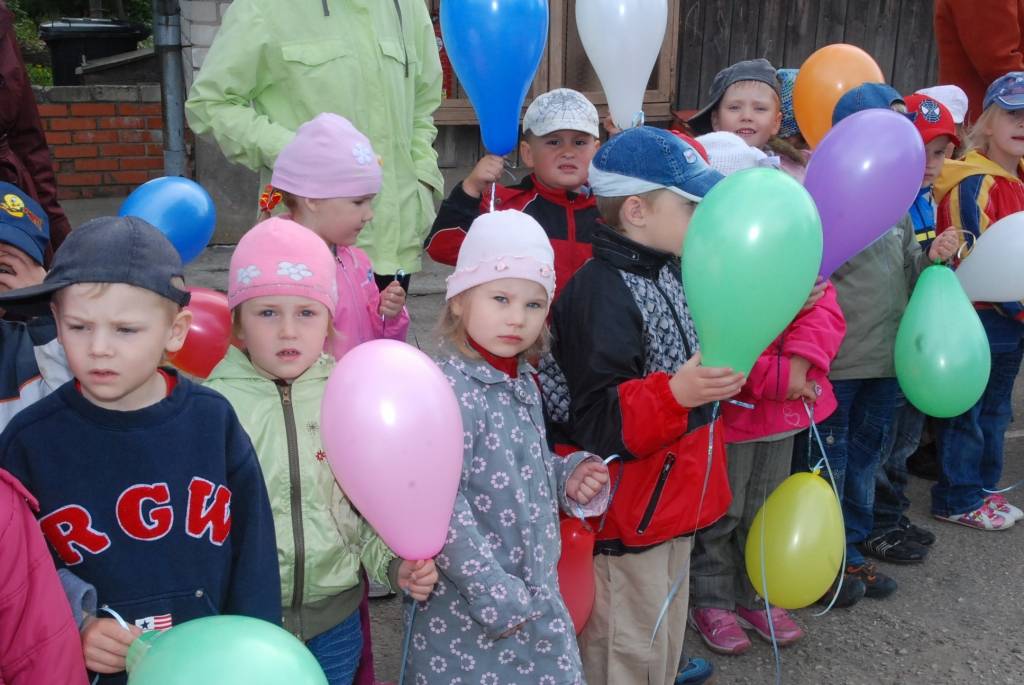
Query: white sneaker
{"points": [[1000, 505], [982, 518]]}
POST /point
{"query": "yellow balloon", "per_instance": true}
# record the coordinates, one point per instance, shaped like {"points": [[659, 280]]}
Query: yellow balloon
{"points": [[804, 540]]}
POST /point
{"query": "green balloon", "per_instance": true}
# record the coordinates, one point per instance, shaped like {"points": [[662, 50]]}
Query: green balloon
{"points": [[222, 650], [750, 258], [942, 354]]}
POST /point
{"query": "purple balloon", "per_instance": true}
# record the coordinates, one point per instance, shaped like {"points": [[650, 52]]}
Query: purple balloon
{"points": [[864, 176]]}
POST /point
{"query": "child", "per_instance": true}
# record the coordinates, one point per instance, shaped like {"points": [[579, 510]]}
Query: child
{"points": [[560, 131], [873, 289], [746, 100], [891, 525], [152, 493], [973, 194], [759, 443], [789, 129], [624, 338], [283, 294], [496, 615], [327, 177]]}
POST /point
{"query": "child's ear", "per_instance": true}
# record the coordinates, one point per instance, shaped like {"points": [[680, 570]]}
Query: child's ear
{"points": [[778, 123], [457, 306], [714, 119], [526, 153], [633, 212], [56, 317], [179, 331]]}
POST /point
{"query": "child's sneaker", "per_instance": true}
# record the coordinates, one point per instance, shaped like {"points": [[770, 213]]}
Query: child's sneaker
{"points": [[894, 547], [849, 594], [786, 630], [1001, 506], [876, 585], [695, 671], [981, 518], [719, 630], [915, 533]]}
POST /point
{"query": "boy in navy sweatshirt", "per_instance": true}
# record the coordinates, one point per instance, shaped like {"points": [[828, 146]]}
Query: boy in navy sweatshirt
{"points": [[148, 487]]}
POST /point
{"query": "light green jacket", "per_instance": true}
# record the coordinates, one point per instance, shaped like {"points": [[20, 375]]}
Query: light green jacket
{"points": [[321, 540], [275, 65]]}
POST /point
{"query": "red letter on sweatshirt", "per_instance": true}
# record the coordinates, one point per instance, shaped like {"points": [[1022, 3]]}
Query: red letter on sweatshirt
{"points": [[203, 514], [70, 528], [139, 526]]}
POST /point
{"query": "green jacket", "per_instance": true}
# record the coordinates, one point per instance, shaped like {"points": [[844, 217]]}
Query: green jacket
{"points": [[321, 540], [275, 65], [873, 289]]}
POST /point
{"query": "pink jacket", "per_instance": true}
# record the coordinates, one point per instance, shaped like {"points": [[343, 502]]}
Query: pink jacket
{"points": [[357, 318], [815, 335], [39, 641]]}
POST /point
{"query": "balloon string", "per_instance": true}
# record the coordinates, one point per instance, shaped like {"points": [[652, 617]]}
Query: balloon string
{"points": [[578, 510], [960, 255], [684, 574], [1004, 490], [764, 585], [824, 459], [494, 192], [615, 488], [410, 617]]}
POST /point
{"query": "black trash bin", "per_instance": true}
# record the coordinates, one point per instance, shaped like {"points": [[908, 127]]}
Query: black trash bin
{"points": [[73, 41]]}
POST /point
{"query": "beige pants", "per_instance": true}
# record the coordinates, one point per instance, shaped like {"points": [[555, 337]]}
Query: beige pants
{"points": [[630, 590]]}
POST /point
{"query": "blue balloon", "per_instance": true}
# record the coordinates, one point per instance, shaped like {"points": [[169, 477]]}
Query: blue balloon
{"points": [[180, 208], [495, 47]]}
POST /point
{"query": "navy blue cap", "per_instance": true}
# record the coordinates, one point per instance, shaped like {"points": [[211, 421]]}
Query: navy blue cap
{"points": [[865, 96], [23, 223], [1007, 92], [109, 249]]}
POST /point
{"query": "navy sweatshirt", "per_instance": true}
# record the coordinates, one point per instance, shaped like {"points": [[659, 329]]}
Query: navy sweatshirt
{"points": [[163, 510]]}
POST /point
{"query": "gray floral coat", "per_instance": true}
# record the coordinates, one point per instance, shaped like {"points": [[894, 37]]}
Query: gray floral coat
{"points": [[498, 566]]}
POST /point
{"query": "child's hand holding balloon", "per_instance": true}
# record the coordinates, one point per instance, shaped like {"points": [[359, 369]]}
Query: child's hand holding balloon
{"points": [[105, 644], [586, 481], [944, 246], [417, 578]]}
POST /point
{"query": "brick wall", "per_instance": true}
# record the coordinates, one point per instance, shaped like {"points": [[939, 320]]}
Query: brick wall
{"points": [[200, 20], [105, 140]]}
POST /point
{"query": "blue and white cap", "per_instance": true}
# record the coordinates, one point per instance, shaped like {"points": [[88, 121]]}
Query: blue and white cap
{"points": [[1007, 92]]}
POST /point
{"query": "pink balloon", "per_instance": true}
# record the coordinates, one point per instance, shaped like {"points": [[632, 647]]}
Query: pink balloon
{"points": [[864, 176], [393, 433]]}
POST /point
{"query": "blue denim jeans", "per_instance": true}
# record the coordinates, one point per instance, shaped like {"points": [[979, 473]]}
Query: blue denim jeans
{"points": [[891, 502], [338, 650], [855, 437], [971, 445]]}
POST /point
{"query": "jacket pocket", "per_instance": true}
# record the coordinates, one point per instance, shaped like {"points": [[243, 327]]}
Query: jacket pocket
{"points": [[314, 53], [398, 52], [166, 609], [659, 488]]}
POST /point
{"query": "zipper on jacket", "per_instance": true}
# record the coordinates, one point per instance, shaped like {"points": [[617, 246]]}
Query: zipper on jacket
{"points": [[295, 487], [401, 36], [571, 211], [675, 316], [652, 504]]}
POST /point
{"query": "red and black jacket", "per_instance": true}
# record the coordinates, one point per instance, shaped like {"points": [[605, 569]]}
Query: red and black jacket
{"points": [[568, 218], [621, 328]]}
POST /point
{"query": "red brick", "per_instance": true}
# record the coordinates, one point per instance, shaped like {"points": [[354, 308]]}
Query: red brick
{"points": [[142, 163], [138, 136], [58, 137], [122, 122], [95, 136], [71, 151], [92, 109], [66, 192], [155, 150], [80, 179], [129, 177], [65, 166], [46, 111], [155, 123], [75, 124], [102, 164], [128, 109], [121, 150]]}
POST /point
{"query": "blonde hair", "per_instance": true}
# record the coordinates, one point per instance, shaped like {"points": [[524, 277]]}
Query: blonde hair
{"points": [[452, 329], [611, 207], [96, 290], [977, 139]]}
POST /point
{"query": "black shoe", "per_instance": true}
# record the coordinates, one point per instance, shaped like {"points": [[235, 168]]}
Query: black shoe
{"points": [[849, 594], [894, 547], [917, 534], [876, 585], [924, 463]]}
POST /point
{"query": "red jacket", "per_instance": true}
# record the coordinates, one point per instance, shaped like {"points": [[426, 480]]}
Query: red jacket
{"points": [[39, 641], [815, 335], [24, 156], [979, 41], [568, 218]]}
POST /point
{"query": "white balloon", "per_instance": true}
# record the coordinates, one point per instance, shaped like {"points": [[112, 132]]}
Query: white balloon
{"points": [[622, 38], [994, 269]]}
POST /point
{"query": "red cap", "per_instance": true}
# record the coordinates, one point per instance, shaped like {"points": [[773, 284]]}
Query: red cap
{"points": [[931, 117], [692, 142]]}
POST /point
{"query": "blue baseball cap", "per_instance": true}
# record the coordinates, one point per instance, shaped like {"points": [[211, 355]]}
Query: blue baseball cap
{"points": [[643, 159], [23, 223], [865, 96], [1007, 92]]}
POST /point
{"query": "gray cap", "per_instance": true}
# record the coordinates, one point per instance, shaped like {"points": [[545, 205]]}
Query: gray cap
{"points": [[748, 70], [123, 249], [562, 109]]}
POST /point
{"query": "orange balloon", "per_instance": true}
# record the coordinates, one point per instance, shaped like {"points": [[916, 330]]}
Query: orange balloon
{"points": [[823, 78]]}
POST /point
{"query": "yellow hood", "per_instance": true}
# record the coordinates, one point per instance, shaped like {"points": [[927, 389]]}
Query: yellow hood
{"points": [[954, 171]]}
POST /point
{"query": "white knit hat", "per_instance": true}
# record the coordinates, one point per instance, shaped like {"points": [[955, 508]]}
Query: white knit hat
{"points": [[953, 97], [562, 109], [506, 244], [728, 153]]}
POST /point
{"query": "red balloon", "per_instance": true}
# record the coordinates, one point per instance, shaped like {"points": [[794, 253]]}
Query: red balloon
{"points": [[208, 336], [576, 571]]}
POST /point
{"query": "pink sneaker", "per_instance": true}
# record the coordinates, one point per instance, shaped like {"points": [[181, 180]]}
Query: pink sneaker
{"points": [[719, 630], [786, 630], [982, 518], [1001, 506]]}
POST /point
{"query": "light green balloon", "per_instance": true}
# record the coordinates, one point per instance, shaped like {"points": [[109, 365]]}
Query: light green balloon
{"points": [[222, 650], [942, 353], [750, 258]]}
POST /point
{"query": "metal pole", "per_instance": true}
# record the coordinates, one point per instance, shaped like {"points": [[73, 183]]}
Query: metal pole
{"points": [[167, 43]]}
